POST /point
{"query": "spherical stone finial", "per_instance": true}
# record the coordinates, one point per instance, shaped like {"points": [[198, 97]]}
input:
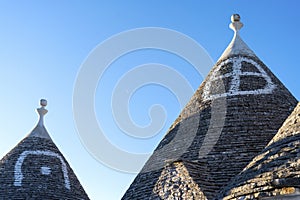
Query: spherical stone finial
{"points": [[235, 24], [43, 102], [235, 18]]}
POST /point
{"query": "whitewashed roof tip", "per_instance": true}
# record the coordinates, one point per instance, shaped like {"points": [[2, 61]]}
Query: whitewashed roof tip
{"points": [[237, 45], [40, 130]]}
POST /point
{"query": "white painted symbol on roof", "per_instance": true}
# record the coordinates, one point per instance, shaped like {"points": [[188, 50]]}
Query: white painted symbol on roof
{"points": [[44, 170], [236, 74]]}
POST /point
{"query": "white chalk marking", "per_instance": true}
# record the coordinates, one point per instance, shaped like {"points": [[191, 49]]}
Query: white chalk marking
{"points": [[235, 82], [44, 170]]}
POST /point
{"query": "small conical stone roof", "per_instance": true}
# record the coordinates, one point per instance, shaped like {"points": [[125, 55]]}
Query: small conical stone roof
{"points": [[275, 172], [176, 177], [36, 169], [231, 117]]}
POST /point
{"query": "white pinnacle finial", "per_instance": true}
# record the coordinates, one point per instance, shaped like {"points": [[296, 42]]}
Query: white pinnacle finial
{"points": [[235, 24], [42, 111], [237, 46], [40, 130]]}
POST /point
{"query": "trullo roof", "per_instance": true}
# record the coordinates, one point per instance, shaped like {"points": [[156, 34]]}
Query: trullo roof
{"points": [[231, 117], [36, 169]]}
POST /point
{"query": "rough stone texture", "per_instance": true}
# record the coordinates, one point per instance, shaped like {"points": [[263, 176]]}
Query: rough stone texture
{"points": [[177, 182], [291, 126], [275, 171], [221, 128], [43, 177]]}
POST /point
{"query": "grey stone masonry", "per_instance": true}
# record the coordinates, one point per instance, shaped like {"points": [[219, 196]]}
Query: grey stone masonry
{"points": [[232, 116], [230, 119], [36, 169], [176, 181], [275, 172]]}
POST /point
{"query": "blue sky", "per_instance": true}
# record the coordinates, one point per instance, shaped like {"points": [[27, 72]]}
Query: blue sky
{"points": [[44, 43]]}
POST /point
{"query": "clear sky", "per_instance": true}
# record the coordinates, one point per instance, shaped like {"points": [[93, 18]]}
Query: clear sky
{"points": [[44, 43]]}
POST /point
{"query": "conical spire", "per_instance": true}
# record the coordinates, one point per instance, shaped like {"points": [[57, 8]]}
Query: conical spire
{"points": [[36, 169], [275, 172], [231, 117]]}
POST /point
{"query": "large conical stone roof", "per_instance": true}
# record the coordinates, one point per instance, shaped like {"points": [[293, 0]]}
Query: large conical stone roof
{"points": [[275, 172], [232, 116], [36, 169]]}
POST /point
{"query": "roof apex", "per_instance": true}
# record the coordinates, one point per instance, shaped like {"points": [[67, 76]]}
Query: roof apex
{"points": [[40, 130], [237, 45]]}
